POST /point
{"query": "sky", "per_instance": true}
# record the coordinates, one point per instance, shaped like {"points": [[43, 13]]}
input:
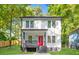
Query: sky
{"points": [[44, 7]]}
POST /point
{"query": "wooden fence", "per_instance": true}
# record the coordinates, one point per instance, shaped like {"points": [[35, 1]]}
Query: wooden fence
{"points": [[7, 43]]}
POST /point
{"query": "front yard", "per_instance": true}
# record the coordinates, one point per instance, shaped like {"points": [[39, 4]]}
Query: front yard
{"points": [[12, 50], [66, 51]]}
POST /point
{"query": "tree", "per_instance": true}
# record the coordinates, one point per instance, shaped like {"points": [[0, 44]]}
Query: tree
{"points": [[9, 13], [37, 11], [70, 16]]}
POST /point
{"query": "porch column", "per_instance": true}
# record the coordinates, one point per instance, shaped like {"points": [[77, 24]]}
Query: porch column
{"points": [[21, 37], [45, 38]]}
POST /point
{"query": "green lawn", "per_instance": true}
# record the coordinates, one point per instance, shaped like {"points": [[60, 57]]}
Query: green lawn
{"points": [[66, 51], [12, 51]]}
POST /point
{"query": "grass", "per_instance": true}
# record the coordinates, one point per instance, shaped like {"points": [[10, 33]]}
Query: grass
{"points": [[65, 51], [12, 51], [15, 50]]}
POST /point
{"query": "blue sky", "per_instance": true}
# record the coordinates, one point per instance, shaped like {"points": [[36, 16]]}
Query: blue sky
{"points": [[44, 7]]}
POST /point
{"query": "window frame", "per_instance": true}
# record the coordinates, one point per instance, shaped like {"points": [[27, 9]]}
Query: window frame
{"points": [[49, 40], [28, 24], [53, 23], [53, 39], [32, 24], [49, 24], [23, 35], [30, 40]]}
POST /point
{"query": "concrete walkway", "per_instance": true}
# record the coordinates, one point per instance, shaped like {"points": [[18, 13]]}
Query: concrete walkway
{"points": [[41, 53]]}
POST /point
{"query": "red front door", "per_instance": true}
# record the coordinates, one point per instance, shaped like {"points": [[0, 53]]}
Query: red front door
{"points": [[40, 41]]}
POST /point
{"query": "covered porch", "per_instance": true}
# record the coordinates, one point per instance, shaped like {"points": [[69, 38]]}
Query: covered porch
{"points": [[33, 38]]}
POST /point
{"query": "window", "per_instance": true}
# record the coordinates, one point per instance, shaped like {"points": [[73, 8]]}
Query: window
{"points": [[53, 23], [53, 39], [23, 35], [31, 24], [27, 24], [49, 39], [49, 24], [30, 39]]}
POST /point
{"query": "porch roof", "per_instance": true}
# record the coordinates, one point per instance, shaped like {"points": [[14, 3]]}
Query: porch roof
{"points": [[34, 29]]}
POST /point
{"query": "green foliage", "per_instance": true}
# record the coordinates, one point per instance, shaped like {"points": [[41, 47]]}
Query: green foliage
{"points": [[9, 12], [37, 11], [70, 20], [2, 36], [12, 12], [13, 38]]}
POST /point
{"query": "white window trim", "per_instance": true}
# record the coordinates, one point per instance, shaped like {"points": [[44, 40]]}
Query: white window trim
{"points": [[47, 39], [52, 41], [23, 35], [52, 23], [47, 24], [26, 24], [29, 24]]}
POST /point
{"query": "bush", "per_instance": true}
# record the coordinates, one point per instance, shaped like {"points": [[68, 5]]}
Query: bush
{"points": [[3, 36], [13, 38]]}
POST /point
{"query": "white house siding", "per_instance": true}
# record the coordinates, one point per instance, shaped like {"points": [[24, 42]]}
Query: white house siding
{"points": [[38, 24], [43, 24], [58, 42], [58, 32], [55, 32], [23, 24]]}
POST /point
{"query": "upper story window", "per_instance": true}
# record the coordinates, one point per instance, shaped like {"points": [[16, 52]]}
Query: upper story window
{"points": [[49, 24], [31, 24], [53, 23], [27, 24]]}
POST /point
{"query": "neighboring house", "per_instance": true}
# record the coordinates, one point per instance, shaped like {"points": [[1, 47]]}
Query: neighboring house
{"points": [[41, 31], [74, 39]]}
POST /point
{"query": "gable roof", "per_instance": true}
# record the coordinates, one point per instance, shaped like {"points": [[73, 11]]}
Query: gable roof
{"points": [[75, 30]]}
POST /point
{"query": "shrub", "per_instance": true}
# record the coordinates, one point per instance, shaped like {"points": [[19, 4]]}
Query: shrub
{"points": [[13, 38], [3, 36]]}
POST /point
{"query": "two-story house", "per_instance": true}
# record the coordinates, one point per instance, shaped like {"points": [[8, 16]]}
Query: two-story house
{"points": [[41, 31]]}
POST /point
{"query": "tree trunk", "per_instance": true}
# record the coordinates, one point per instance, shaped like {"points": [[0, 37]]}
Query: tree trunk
{"points": [[65, 40], [10, 31], [11, 28]]}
